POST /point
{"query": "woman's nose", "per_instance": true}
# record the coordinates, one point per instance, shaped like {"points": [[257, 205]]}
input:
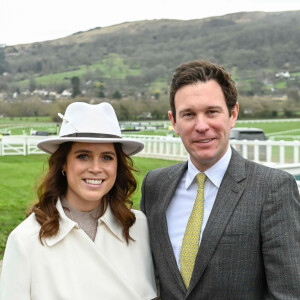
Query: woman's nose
{"points": [[95, 166]]}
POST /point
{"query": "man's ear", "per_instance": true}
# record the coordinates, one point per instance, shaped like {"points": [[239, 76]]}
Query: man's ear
{"points": [[170, 115], [234, 114]]}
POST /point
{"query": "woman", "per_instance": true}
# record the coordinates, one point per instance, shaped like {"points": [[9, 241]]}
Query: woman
{"points": [[81, 241]]}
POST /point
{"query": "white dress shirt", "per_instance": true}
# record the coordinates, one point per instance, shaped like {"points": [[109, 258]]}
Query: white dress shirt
{"points": [[181, 206]]}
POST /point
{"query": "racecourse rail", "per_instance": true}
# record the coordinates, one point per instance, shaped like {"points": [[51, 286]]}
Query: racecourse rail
{"points": [[278, 154]]}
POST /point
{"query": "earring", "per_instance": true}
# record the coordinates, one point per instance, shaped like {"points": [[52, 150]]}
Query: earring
{"points": [[63, 172]]}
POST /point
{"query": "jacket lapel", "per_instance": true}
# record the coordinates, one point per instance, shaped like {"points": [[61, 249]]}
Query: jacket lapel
{"points": [[228, 196], [168, 188]]}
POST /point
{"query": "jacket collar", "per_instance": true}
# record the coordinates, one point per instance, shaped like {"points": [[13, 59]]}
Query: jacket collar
{"points": [[66, 225], [112, 224]]}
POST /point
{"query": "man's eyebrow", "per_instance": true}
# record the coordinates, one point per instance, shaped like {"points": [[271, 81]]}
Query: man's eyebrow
{"points": [[191, 109], [184, 110], [215, 107]]}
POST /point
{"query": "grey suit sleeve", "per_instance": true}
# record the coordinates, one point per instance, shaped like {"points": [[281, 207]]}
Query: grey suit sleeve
{"points": [[142, 202], [280, 234], [143, 205]]}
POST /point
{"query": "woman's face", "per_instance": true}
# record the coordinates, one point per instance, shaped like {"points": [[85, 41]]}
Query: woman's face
{"points": [[91, 171]]}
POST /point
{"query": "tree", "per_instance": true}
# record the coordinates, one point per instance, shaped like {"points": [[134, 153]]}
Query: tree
{"points": [[293, 94], [256, 86], [75, 81], [2, 61], [100, 88], [156, 94], [288, 113], [32, 84], [117, 95], [124, 113]]}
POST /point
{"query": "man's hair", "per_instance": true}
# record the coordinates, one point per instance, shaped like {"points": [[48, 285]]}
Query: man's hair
{"points": [[203, 71]]}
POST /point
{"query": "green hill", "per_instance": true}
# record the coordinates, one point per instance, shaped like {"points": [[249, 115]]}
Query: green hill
{"points": [[139, 57]]}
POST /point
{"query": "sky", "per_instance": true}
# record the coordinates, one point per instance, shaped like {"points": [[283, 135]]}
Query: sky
{"points": [[29, 21]]}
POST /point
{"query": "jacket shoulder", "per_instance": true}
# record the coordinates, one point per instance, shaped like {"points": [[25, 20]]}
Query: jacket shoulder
{"points": [[26, 229], [139, 215], [263, 170], [156, 173], [241, 169]]}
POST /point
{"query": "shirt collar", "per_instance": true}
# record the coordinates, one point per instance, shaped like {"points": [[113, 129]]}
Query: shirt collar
{"points": [[215, 173], [66, 225]]}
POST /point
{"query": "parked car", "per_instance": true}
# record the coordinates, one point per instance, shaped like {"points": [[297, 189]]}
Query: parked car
{"points": [[42, 133], [249, 134]]}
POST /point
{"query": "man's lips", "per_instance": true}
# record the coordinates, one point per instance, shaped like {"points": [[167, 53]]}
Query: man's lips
{"points": [[203, 141]]}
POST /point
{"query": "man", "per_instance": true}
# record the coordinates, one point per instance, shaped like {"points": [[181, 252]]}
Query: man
{"points": [[249, 243]]}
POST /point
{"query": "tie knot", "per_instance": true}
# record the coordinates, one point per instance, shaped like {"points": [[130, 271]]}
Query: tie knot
{"points": [[201, 179]]}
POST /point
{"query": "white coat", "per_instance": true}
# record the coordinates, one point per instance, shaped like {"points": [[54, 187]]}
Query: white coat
{"points": [[70, 266]]}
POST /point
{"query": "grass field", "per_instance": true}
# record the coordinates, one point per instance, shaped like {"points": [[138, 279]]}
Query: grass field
{"points": [[5, 121], [289, 130], [18, 178], [23, 125]]}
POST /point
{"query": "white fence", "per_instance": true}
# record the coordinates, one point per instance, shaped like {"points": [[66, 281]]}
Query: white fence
{"points": [[278, 154], [19, 145], [168, 147]]}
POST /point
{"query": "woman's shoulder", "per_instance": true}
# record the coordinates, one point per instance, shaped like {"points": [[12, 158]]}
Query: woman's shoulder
{"points": [[140, 226], [27, 228], [139, 215]]}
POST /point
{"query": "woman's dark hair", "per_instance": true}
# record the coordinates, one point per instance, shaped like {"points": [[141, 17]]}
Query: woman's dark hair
{"points": [[54, 185]]}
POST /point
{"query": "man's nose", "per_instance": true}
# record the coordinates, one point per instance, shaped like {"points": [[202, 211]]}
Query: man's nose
{"points": [[201, 124]]}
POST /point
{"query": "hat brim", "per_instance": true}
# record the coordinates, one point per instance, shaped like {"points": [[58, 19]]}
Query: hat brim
{"points": [[130, 147]]}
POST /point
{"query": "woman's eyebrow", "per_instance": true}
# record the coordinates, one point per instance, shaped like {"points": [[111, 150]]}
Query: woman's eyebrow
{"points": [[88, 151], [82, 150]]}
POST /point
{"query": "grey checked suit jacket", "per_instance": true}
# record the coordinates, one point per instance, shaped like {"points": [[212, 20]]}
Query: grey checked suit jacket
{"points": [[250, 247]]}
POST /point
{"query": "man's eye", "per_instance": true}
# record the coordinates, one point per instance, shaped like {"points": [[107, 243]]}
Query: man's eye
{"points": [[212, 112], [187, 114]]}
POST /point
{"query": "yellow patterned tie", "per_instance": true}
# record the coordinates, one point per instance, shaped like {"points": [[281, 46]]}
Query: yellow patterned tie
{"points": [[190, 243]]}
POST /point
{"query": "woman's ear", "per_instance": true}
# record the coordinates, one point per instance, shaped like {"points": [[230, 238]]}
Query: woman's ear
{"points": [[63, 169]]}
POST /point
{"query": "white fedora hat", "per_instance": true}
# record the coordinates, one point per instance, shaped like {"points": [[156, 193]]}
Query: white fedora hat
{"points": [[89, 123]]}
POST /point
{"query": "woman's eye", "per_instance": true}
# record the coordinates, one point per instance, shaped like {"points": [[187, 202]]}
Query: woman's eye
{"points": [[82, 156], [108, 157]]}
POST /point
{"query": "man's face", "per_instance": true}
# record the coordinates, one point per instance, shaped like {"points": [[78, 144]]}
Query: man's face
{"points": [[203, 122]]}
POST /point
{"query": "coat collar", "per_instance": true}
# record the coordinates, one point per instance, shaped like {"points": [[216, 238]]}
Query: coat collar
{"points": [[66, 225], [113, 225]]}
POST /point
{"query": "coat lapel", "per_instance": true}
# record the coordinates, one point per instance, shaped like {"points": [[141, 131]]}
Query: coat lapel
{"points": [[168, 188], [228, 196]]}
